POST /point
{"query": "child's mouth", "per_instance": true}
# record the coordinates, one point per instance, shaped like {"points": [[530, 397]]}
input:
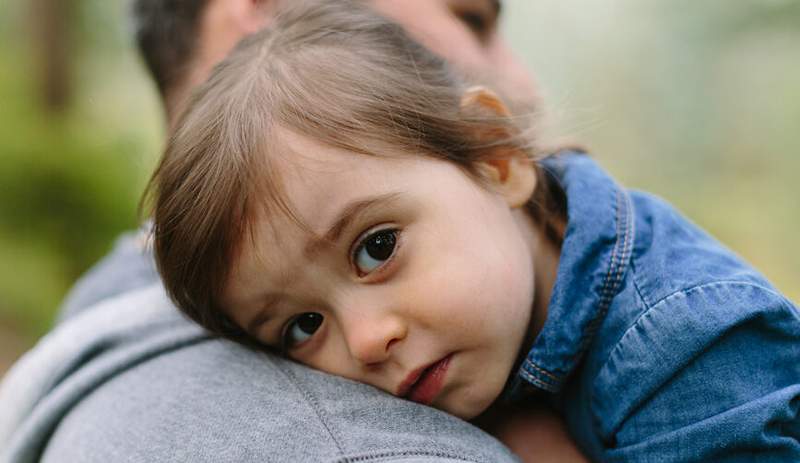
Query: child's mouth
{"points": [[423, 384]]}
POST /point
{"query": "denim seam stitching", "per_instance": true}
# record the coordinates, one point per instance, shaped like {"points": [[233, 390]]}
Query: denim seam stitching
{"points": [[548, 382], [539, 382], [538, 369], [623, 214], [606, 303], [696, 287], [684, 292], [616, 267]]}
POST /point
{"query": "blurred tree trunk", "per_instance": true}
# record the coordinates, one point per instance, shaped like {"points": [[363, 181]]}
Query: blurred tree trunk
{"points": [[52, 39]]}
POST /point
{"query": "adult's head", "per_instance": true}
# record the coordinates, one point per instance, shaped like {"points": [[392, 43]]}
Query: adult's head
{"points": [[182, 40]]}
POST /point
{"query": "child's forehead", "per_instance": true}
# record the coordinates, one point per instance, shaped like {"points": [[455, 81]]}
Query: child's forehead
{"points": [[307, 180], [304, 155], [314, 193], [302, 158], [312, 173]]}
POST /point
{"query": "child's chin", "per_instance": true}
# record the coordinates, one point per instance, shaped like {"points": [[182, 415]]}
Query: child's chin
{"points": [[466, 409]]}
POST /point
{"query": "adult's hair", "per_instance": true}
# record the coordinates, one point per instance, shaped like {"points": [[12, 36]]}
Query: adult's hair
{"points": [[334, 72], [166, 34]]}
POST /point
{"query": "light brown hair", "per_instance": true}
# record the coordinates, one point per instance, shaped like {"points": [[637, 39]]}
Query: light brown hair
{"points": [[334, 72]]}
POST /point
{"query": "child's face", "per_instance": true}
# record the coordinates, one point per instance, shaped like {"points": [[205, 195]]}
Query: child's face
{"points": [[428, 268]]}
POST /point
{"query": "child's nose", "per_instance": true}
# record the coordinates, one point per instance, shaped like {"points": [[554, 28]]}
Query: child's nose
{"points": [[372, 339]]}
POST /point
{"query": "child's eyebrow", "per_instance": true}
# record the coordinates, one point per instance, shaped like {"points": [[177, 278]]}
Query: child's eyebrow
{"points": [[347, 215]]}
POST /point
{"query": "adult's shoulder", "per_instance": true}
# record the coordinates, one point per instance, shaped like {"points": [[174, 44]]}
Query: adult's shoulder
{"points": [[215, 401], [131, 380], [128, 266]]}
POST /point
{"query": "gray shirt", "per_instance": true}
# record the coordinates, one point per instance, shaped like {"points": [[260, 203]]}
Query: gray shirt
{"points": [[129, 379]]}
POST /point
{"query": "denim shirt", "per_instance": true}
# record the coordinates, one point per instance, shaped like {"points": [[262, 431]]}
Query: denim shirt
{"points": [[660, 344]]}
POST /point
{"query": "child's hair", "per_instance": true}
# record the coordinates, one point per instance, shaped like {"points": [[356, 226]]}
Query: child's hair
{"points": [[334, 72]]}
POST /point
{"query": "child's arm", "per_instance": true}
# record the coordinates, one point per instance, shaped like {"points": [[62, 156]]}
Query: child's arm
{"points": [[711, 374]]}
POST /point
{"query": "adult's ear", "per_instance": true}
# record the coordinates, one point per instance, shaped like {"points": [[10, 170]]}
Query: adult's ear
{"points": [[508, 168], [246, 17], [259, 14]]}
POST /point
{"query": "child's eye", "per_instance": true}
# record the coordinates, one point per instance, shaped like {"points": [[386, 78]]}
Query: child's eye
{"points": [[374, 250], [301, 329]]}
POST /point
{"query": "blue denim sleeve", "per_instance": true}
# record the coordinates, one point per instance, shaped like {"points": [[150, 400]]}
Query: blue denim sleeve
{"points": [[708, 374]]}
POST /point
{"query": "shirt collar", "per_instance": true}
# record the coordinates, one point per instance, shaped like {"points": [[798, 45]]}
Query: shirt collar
{"points": [[594, 258]]}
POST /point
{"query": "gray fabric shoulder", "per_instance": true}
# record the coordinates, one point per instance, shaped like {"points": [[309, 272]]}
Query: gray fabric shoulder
{"points": [[131, 380], [80, 354], [127, 267], [217, 401]]}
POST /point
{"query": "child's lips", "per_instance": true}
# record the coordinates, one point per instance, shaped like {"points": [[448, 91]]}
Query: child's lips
{"points": [[423, 384]]}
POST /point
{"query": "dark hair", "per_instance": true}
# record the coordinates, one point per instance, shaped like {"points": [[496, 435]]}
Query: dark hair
{"points": [[334, 72], [166, 33]]}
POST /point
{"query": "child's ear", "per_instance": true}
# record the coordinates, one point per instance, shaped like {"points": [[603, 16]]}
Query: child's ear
{"points": [[508, 169]]}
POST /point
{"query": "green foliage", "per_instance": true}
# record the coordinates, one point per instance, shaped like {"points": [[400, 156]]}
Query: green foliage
{"points": [[66, 190], [60, 188], [696, 101]]}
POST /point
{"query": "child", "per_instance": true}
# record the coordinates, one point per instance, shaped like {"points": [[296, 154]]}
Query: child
{"points": [[334, 192]]}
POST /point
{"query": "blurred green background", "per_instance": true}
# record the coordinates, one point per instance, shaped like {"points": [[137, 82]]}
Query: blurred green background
{"points": [[698, 102]]}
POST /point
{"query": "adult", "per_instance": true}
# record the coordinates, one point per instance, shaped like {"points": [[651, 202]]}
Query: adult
{"points": [[124, 377]]}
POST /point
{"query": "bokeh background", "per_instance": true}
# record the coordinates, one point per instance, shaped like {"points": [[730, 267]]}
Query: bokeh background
{"points": [[698, 102]]}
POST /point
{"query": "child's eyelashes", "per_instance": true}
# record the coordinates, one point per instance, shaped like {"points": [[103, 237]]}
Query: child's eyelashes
{"points": [[374, 249], [300, 329]]}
